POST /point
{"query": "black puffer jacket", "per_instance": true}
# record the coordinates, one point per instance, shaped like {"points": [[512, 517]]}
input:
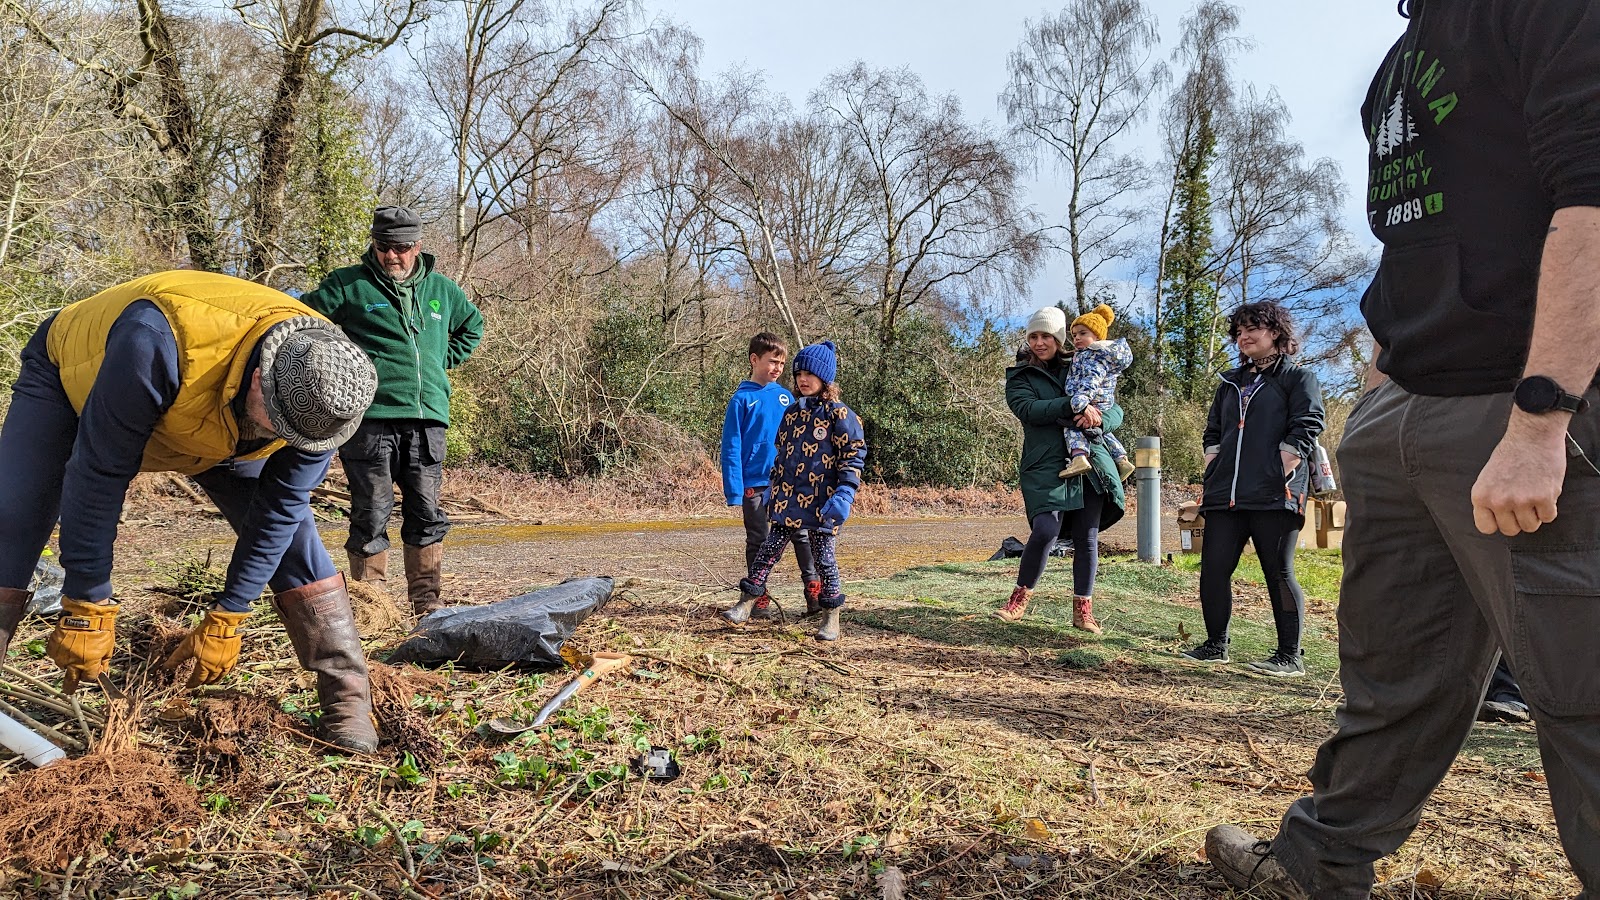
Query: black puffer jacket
{"points": [[1284, 413]]}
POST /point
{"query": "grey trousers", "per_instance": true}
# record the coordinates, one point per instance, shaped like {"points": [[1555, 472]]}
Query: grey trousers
{"points": [[1425, 604], [756, 529]]}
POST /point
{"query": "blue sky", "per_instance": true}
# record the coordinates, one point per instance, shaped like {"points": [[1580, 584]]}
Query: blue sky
{"points": [[1318, 55]]}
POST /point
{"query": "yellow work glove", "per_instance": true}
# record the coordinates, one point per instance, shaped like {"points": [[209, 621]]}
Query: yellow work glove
{"points": [[213, 645], [83, 640]]}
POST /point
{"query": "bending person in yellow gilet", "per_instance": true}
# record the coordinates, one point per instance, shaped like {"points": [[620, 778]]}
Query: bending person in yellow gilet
{"points": [[230, 382]]}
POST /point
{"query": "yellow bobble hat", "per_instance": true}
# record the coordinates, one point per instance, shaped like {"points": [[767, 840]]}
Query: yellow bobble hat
{"points": [[1097, 320]]}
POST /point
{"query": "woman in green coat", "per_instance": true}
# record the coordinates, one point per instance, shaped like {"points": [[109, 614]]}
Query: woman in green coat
{"points": [[1083, 504]]}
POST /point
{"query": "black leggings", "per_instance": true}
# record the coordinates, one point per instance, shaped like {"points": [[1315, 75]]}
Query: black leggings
{"points": [[1274, 533], [1084, 527]]}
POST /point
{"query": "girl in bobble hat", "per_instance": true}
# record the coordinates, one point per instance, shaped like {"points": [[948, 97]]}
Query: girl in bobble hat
{"points": [[821, 453], [1092, 381]]}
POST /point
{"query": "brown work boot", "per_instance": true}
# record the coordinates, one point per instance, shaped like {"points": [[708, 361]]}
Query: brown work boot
{"points": [[422, 577], [1016, 606], [322, 628], [373, 569], [1249, 866], [1083, 615], [13, 603]]}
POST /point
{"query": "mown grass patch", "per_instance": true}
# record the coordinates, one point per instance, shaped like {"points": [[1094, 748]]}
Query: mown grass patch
{"points": [[1150, 612]]}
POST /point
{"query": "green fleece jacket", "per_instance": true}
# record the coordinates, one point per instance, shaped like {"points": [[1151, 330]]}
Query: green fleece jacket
{"points": [[414, 331]]}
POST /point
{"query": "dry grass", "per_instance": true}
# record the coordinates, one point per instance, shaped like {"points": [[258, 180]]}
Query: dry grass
{"points": [[689, 490], [981, 763]]}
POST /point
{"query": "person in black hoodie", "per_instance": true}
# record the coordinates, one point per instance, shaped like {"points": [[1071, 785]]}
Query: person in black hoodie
{"points": [[1483, 127], [1260, 433]]}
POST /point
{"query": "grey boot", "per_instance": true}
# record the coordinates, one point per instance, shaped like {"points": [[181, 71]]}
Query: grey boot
{"points": [[13, 603], [322, 628], [830, 625], [739, 613], [1248, 864]]}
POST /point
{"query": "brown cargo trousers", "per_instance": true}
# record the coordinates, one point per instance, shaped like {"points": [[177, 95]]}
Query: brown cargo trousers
{"points": [[1426, 601]]}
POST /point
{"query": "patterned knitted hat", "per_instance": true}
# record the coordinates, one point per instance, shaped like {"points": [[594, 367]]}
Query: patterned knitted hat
{"points": [[1097, 320], [1050, 320], [317, 384], [821, 360]]}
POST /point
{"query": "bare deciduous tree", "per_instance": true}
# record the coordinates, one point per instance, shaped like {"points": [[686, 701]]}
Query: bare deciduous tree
{"points": [[1080, 82], [947, 215]]}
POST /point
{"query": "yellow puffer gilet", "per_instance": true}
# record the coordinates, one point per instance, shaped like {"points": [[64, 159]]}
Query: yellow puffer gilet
{"points": [[217, 320]]}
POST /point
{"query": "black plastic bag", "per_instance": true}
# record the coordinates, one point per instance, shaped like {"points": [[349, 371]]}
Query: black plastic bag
{"points": [[45, 599], [1011, 548], [521, 631]]}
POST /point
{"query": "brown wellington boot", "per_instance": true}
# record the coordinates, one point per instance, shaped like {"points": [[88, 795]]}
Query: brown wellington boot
{"points": [[322, 628], [1015, 607], [422, 577], [1083, 615], [374, 569], [13, 603]]}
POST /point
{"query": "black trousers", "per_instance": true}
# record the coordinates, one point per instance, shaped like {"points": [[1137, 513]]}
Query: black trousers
{"points": [[1274, 533], [381, 454], [1084, 527]]}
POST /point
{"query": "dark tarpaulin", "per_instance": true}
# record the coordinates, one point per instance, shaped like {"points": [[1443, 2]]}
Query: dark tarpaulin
{"points": [[521, 631]]}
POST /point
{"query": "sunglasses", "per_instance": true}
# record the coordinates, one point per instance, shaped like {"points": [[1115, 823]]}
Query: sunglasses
{"points": [[385, 247]]}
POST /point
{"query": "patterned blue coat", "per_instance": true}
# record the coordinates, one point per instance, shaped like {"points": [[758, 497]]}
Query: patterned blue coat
{"points": [[820, 446]]}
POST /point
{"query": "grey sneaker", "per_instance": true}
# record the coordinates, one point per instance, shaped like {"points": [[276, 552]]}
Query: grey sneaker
{"points": [[1503, 711], [1248, 864], [1210, 651], [1282, 664]]}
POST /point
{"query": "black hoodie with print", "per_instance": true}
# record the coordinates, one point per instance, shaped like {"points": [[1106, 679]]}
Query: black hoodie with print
{"points": [[1483, 120]]}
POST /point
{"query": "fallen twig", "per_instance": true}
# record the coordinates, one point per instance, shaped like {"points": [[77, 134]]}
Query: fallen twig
{"points": [[691, 881]]}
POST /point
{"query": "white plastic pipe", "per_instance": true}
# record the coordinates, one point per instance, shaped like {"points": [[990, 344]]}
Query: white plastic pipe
{"points": [[25, 742]]}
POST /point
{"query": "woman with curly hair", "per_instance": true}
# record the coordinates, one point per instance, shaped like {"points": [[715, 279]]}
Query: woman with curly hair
{"points": [[1261, 431]]}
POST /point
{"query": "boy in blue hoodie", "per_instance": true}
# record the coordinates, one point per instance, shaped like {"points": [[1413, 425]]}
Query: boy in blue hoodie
{"points": [[749, 446]]}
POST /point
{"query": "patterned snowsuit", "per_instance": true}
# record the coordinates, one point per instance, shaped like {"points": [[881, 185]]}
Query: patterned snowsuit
{"points": [[820, 448], [1092, 381]]}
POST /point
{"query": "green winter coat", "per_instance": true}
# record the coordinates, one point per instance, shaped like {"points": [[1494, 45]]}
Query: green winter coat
{"points": [[413, 331], [1039, 401]]}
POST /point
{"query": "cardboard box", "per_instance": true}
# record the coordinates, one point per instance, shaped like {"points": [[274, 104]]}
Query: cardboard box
{"points": [[1191, 528], [1324, 524]]}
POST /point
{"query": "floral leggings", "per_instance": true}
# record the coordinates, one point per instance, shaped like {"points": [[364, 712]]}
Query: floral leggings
{"points": [[772, 550]]}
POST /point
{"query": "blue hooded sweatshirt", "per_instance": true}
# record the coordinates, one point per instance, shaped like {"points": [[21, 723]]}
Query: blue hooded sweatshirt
{"points": [[749, 437]]}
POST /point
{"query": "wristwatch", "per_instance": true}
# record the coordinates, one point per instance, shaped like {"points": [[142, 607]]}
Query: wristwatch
{"points": [[1538, 394]]}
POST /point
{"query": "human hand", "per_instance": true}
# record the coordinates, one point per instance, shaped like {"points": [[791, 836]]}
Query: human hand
{"points": [[85, 636], [213, 645], [1518, 488], [1210, 458], [1291, 461], [1089, 418]]}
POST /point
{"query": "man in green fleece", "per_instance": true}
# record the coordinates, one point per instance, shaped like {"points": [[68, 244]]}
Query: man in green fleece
{"points": [[415, 324]]}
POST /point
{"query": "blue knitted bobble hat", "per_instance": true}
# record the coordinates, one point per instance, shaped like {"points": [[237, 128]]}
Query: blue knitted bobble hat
{"points": [[821, 360]]}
